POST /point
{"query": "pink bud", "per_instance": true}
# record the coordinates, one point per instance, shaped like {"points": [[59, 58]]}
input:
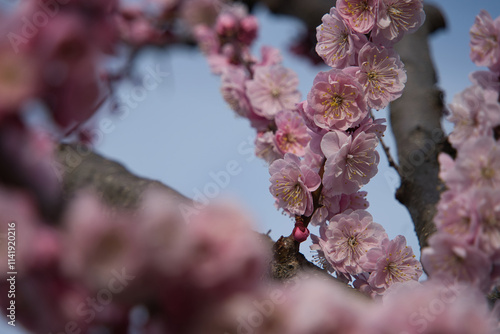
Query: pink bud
{"points": [[226, 25], [300, 232], [248, 29]]}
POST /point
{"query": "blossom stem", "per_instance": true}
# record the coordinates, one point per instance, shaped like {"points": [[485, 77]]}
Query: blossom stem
{"points": [[387, 152]]}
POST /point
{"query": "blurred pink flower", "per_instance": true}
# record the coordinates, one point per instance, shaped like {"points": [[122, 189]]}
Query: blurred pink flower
{"points": [[218, 235], [474, 112], [97, 240], [477, 165], [485, 41], [454, 215], [433, 307], [314, 305], [486, 209], [270, 56], [450, 259], [136, 28], [392, 262]]}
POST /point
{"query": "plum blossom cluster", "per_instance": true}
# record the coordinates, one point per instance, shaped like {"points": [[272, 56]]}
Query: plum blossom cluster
{"points": [[466, 247], [356, 40], [261, 90], [323, 150]]}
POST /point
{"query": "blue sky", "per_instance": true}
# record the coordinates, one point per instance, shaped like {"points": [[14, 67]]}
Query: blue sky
{"points": [[182, 132]]}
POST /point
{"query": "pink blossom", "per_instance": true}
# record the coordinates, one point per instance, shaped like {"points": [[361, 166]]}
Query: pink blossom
{"points": [[135, 27], [28, 162], [475, 111], [273, 88], [98, 239], [36, 243], [486, 208], [226, 24], [454, 215], [348, 237], [451, 259], [292, 184], [265, 147], [200, 12], [227, 56], [369, 125], [396, 18], [485, 41], [333, 205], [162, 233], [353, 201], [359, 14], [233, 90], [486, 80], [381, 74], [319, 216], [392, 262], [217, 235], [291, 134], [315, 305], [433, 307], [70, 56], [351, 161], [234, 23], [207, 39], [270, 56], [337, 100], [361, 284], [248, 29], [337, 44], [307, 114], [313, 160], [477, 164]]}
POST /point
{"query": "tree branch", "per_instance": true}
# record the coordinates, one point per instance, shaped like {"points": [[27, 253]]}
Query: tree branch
{"points": [[113, 183], [117, 187], [416, 124]]}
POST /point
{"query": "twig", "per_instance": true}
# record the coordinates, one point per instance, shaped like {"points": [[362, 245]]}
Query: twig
{"points": [[392, 163]]}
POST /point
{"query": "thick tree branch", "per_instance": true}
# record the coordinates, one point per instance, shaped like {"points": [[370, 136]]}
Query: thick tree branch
{"points": [[416, 124], [113, 183], [117, 187]]}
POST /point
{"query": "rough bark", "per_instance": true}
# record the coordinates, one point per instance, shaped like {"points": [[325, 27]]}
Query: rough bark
{"points": [[110, 181], [416, 124]]}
